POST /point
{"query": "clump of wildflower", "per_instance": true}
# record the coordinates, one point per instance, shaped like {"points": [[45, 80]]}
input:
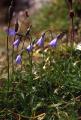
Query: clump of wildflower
{"points": [[40, 41], [18, 59], [29, 48], [16, 43]]}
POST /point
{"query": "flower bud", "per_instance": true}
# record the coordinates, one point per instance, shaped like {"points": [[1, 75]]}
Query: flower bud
{"points": [[71, 14], [16, 25], [59, 36], [26, 13]]}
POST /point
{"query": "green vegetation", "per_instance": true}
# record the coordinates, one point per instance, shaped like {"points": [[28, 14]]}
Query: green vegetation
{"points": [[53, 91]]}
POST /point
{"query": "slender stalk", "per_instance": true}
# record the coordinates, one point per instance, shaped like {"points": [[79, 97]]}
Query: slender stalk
{"points": [[13, 57], [72, 36], [8, 75], [30, 56], [22, 53], [43, 55], [8, 54]]}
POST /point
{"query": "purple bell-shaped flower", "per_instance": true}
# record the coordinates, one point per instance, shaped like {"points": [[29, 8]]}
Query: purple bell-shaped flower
{"points": [[18, 59], [29, 48], [16, 43], [11, 32], [53, 43], [40, 41]]}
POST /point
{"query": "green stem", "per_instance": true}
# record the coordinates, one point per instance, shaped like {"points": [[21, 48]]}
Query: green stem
{"points": [[30, 59], [8, 55], [13, 59], [22, 54], [72, 30]]}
